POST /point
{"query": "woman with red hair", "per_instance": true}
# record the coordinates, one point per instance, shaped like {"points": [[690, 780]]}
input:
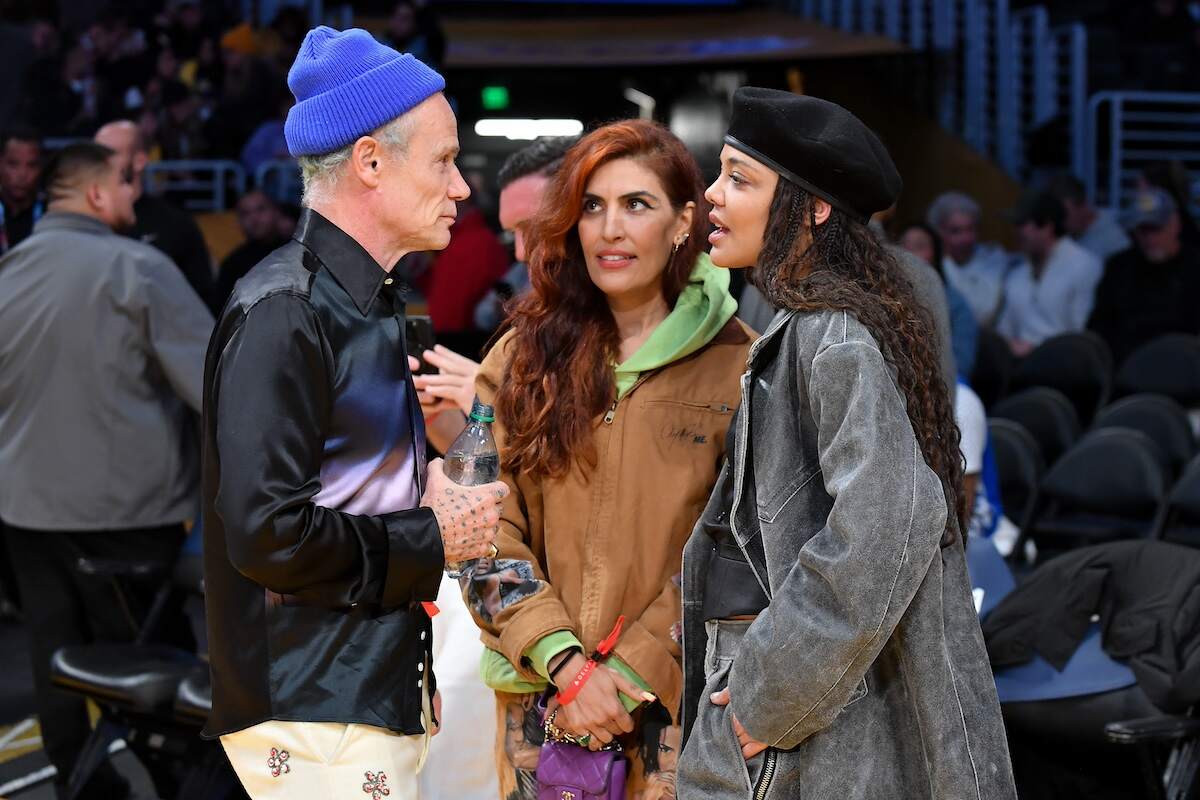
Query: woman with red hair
{"points": [[614, 386]]}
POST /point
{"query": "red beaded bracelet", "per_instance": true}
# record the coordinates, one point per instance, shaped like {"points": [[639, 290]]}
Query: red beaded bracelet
{"points": [[566, 696]]}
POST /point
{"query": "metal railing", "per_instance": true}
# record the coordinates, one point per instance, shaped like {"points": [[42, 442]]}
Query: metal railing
{"points": [[1129, 131], [197, 185], [280, 179], [1049, 81]]}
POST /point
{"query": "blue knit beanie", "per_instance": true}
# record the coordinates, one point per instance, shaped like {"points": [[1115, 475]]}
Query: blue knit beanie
{"points": [[346, 85]]}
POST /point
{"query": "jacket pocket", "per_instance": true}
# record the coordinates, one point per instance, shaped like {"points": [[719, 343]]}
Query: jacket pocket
{"points": [[772, 502], [711, 764]]}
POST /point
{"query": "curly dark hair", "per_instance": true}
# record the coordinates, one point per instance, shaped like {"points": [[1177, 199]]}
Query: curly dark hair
{"points": [[842, 265]]}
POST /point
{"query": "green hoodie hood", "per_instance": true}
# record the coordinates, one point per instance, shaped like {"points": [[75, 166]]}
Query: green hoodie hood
{"points": [[703, 308]]}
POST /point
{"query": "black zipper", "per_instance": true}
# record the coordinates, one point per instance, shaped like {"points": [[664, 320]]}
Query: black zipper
{"points": [[767, 775]]}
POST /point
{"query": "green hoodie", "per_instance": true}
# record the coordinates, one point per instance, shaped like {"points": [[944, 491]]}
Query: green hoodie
{"points": [[703, 308]]}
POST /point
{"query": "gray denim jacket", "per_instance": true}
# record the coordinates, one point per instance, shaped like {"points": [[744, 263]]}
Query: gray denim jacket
{"points": [[867, 673]]}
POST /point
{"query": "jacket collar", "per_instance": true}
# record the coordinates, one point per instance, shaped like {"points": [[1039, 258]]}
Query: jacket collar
{"points": [[351, 266], [70, 221]]}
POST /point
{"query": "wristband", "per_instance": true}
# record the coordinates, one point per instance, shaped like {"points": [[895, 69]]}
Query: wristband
{"points": [[557, 669], [566, 696]]}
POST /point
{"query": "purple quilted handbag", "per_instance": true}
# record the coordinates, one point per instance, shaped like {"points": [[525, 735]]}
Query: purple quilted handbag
{"points": [[570, 772]]}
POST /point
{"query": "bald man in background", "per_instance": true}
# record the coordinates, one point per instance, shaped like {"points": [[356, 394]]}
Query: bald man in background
{"points": [[103, 345], [159, 223]]}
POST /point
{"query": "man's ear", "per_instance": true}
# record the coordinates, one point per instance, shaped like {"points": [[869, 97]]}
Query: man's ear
{"points": [[365, 159], [94, 195]]}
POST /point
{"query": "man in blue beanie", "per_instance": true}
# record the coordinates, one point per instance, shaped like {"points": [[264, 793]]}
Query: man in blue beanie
{"points": [[325, 533]]}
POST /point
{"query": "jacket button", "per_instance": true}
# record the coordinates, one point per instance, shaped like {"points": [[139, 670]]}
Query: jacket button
{"points": [[419, 682], [422, 636], [420, 666]]}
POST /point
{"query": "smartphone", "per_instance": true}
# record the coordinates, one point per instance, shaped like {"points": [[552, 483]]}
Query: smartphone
{"points": [[418, 337]]}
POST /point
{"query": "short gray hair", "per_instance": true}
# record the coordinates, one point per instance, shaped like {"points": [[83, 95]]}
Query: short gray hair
{"points": [[320, 173], [951, 203]]}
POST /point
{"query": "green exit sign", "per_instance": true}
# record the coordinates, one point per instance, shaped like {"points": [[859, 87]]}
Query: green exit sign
{"points": [[495, 98]]}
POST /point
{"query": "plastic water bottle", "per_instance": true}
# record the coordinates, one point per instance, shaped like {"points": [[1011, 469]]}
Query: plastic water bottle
{"points": [[473, 460]]}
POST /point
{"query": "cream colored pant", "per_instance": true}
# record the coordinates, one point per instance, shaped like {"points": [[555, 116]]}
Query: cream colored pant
{"points": [[327, 761]]}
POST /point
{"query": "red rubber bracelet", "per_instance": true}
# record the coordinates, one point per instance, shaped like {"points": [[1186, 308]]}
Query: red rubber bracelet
{"points": [[566, 696], [602, 652]]}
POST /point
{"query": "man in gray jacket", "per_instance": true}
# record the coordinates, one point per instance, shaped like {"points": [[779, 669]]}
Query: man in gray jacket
{"points": [[102, 347]]}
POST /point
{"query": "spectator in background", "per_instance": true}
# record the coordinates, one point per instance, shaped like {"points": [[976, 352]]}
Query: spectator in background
{"points": [[267, 143], [250, 94], [924, 243], [20, 164], [180, 129], [1052, 290], [262, 225], [414, 28], [103, 347], [522, 180], [1174, 178], [159, 223], [61, 93], [1152, 288], [446, 396], [977, 270], [186, 28], [1095, 229]]}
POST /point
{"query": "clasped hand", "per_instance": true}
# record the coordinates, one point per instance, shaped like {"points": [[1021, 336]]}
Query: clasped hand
{"points": [[597, 710]]}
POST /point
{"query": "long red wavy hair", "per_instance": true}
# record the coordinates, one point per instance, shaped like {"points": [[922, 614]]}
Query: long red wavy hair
{"points": [[565, 342]]}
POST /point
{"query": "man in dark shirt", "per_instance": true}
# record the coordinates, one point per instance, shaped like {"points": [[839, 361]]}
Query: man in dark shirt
{"points": [[263, 226], [159, 223], [1153, 288], [325, 534], [20, 163]]}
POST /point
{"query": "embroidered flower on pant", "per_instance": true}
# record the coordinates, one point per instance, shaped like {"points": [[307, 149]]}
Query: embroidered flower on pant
{"points": [[278, 762], [376, 785]]}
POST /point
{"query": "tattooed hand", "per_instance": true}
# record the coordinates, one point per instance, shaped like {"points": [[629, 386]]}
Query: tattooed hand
{"points": [[469, 516]]}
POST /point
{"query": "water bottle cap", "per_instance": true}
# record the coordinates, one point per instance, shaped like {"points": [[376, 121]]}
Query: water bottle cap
{"points": [[482, 412]]}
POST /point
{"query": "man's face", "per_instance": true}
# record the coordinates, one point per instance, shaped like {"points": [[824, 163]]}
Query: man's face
{"points": [[257, 218], [1078, 218], [122, 137], [114, 204], [1159, 243], [958, 231], [519, 202], [19, 165], [1035, 240], [421, 184]]}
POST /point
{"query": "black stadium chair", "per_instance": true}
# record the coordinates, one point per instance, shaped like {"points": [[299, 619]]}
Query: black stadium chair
{"points": [[1048, 416], [155, 697], [1020, 464], [1077, 364], [1112, 484], [994, 365], [1160, 418], [1183, 515], [1169, 365]]}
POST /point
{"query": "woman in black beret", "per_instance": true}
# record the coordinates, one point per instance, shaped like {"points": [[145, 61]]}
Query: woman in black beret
{"points": [[831, 645]]}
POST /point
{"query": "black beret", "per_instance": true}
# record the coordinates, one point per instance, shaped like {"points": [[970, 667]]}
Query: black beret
{"points": [[818, 145]]}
